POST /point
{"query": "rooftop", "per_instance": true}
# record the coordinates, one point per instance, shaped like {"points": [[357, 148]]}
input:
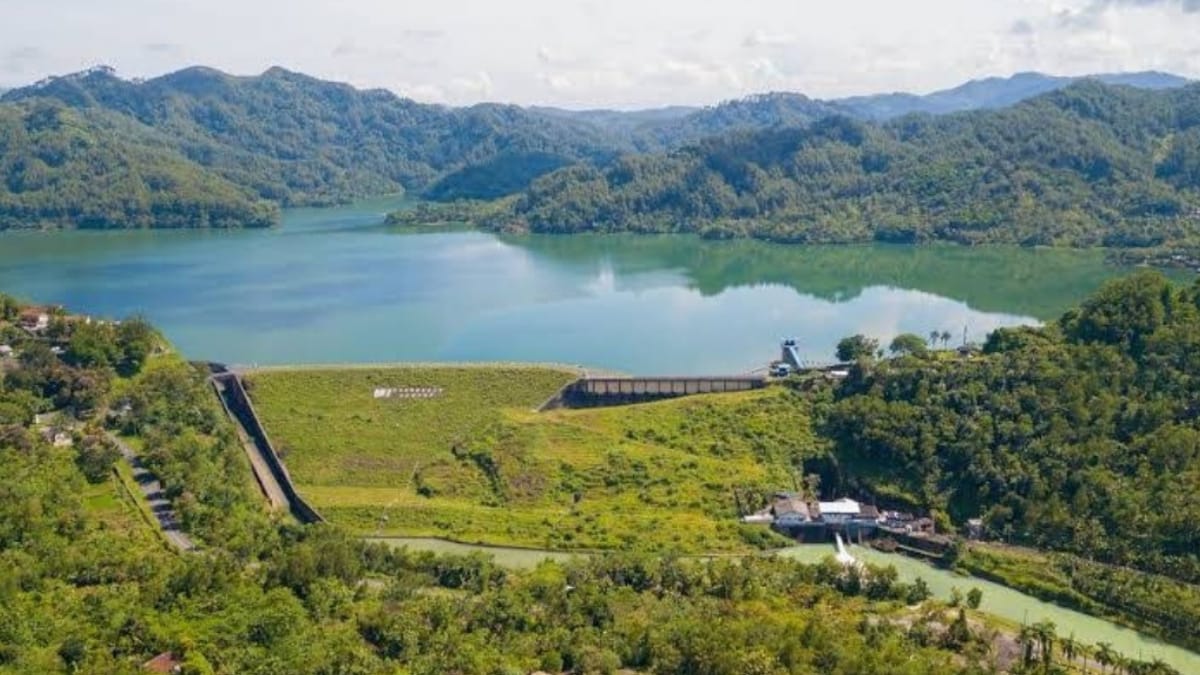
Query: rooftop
{"points": [[842, 507]]}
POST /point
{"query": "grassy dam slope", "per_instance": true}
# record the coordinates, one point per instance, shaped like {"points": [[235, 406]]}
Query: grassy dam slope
{"points": [[472, 461]]}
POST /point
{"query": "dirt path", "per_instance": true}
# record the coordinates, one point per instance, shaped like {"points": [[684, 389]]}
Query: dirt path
{"points": [[152, 489]]}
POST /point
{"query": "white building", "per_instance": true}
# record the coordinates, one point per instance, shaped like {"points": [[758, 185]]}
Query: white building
{"points": [[842, 507]]}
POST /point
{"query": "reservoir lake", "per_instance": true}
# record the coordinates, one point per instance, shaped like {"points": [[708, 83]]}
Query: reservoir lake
{"points": [[337, 285]]}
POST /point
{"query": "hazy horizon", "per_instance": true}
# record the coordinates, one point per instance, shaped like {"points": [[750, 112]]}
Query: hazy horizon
{"points": [[619, 55], [584, 107]]}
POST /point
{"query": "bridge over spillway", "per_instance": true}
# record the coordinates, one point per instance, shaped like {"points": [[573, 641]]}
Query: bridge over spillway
{"points": [[602, 391]]}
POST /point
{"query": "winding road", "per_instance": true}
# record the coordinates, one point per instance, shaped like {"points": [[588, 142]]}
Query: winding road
{"points": [[152, 489]]}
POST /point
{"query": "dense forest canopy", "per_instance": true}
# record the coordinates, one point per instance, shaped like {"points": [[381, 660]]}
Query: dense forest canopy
{"points": [[1083, 436], [233, 149], [295, 140], [85, 585], [58, 168], [1090, 165]]}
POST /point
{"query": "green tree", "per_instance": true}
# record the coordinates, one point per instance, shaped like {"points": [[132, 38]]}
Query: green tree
{"points": [[1044, 633], [857, 348], [1105, 655], [974, 598], [959, 632], [918, 592], [95, 456], [907, 344]]}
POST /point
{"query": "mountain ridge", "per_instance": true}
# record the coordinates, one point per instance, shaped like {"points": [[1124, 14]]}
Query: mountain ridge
{"points": [[1088, 165], [288, 139]]}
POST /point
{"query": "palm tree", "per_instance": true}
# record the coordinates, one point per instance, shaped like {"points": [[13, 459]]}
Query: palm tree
{"points": [[1044, 631], [1026, 638], [934, 335], [1070, 647], [946, 338], [1159, 666], [1105, 655], [1085, 653]]}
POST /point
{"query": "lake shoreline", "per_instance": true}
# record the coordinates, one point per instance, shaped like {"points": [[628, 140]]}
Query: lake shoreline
{"points": [[335, 285]]}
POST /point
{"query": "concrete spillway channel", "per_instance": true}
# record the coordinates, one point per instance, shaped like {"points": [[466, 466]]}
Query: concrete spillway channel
{"points": [[269, 471]]}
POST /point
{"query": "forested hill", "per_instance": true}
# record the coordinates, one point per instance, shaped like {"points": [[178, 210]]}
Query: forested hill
{"points": [[1081, 436], [295, 140], [60, 169], [200, 147], [1088, 165]]}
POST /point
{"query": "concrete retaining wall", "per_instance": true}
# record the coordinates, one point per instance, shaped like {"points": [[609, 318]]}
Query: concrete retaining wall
{"points": [[603, 391], [238, 404]]}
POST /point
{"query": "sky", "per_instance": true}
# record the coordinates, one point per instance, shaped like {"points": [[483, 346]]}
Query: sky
{"points": [[605, 53]]}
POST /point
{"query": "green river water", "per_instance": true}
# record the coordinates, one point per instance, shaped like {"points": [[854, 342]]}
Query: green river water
{"points": [[337, 286], [998, 600]]}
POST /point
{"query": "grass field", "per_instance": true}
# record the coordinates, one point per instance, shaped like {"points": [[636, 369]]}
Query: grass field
{"points": [[116, 506], [478, 465]]}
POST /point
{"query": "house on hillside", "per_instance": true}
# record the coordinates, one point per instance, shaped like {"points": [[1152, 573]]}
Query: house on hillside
{"points": [[166, 663], [59, 436], [34, 319], [6, 352], [790, 510], [818, 521]]}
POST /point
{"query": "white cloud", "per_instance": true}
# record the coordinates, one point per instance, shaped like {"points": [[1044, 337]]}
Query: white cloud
{"points": [[621, 53], [558, 83], [762, 38], [477, 87], [765, 69]]}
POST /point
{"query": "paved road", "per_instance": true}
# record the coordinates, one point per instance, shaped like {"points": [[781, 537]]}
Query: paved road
{"points": [[153, 490]]}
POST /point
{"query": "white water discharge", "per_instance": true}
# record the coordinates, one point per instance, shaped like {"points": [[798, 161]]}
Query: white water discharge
{"points": [[998, 600], [843, 556]]}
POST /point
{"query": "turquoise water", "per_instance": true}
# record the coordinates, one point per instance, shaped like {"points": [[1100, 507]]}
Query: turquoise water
{"points": [[335, 285], [997, 600], [1008, 604]]}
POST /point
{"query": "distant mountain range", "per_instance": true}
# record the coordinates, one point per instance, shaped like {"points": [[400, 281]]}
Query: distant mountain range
{"points": [[182, 144], [991, 93], [785, 108], [1087, 165], [662, 129]]}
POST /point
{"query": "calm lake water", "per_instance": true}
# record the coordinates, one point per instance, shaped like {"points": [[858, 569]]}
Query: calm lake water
{"points": [[334, 285]]}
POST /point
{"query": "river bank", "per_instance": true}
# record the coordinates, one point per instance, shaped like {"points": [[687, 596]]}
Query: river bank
{"points": [[1001, 601]]}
